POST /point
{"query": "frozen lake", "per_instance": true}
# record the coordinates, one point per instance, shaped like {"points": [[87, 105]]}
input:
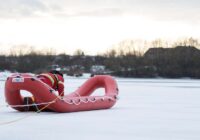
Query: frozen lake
{"points": [[147, 109]]}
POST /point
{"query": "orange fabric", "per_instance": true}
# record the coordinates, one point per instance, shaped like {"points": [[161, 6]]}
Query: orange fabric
{"points": [[57, 82]]}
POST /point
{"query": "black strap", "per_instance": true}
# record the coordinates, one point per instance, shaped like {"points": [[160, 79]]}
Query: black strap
{"points": [[26, 102], [36, 107], [57, 80]]}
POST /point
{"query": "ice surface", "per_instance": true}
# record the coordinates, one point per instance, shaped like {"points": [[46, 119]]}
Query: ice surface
{"points": [[4, 75], [148, 109]]}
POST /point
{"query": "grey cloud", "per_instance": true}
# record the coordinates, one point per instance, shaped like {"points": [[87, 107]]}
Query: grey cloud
{"points": [[159, 9], [20, 8]]}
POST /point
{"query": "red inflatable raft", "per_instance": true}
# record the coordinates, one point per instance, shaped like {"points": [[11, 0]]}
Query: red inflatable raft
{"points": [[46, 99]]}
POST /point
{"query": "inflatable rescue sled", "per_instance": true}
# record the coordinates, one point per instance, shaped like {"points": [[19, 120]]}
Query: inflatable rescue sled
{"points": [[45, 98]]}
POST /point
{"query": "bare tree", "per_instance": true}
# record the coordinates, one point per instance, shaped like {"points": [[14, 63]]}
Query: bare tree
{"points": [[79, 52], [19, 50], [187, 42], [47, 51], [157, 43]]}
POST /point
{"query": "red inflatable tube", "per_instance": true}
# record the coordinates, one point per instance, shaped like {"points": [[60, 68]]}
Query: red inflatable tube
{"points": [[46, 99]]}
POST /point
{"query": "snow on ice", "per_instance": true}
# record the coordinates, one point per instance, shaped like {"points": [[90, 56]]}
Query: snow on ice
{"points": [[147, 109]]}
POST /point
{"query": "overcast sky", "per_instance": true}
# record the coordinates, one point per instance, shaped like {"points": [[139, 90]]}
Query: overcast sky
{"points": [[95, 25]]}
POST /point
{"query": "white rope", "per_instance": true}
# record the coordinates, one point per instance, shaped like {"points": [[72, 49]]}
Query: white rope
{"points": [[77, 94], [71, 101], [78, 103], [87, 100], [92, 100], [68, 101], [45, 103]]}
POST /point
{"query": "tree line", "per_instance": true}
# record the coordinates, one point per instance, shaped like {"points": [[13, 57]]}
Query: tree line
{"points": [[180, 60]]}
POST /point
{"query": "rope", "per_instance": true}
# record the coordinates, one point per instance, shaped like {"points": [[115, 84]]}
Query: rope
{"points": [[77, 94], [34, 104], [49, 103], [38, 111], [19, 119], [71, 101]]}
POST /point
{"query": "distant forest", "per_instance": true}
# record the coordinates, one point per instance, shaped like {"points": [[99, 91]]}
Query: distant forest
{"points": [[180, 60]]}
